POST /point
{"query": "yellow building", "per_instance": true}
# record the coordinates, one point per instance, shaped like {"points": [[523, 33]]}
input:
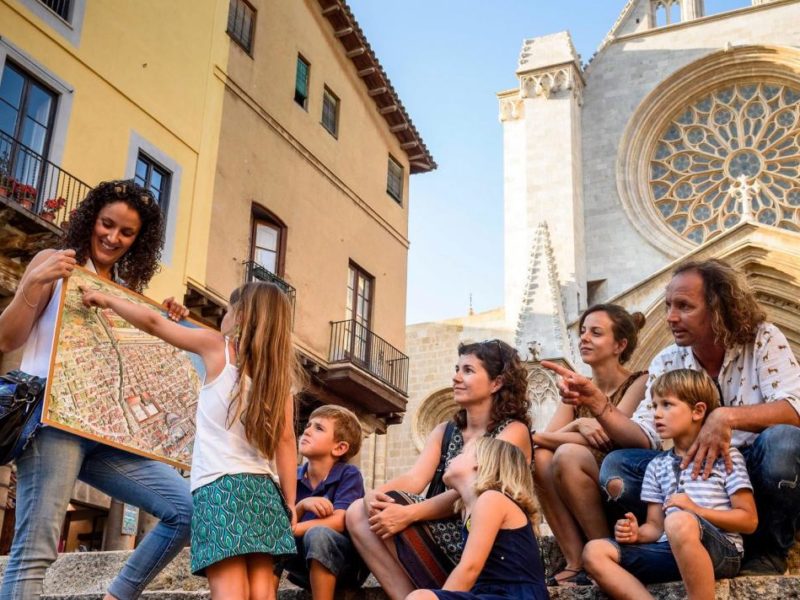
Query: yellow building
{"points": [[271, 136]]}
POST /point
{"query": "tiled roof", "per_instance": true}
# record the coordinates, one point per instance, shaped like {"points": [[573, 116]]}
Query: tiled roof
{"points": [[379, 88]]}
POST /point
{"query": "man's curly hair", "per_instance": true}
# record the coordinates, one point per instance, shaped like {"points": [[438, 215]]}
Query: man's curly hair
{"points": [[735, 312], [510, 401], [141, 261]]}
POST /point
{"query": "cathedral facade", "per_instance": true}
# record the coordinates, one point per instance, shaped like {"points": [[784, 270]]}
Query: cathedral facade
{"points": [[679, 139]]}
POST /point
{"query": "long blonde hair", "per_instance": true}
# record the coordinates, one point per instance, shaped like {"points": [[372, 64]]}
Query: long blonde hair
{"points": [[502, 467], [269, 371]]}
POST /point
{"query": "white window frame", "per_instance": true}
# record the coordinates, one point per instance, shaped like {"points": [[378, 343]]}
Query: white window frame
{"points": [[139, 143], [71, 29]]}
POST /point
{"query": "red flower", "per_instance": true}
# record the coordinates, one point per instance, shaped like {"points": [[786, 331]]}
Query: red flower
{"points": [[53, 204]]}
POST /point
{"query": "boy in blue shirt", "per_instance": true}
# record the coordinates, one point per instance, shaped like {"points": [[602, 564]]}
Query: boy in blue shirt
{"points": [[694, 526], [326, 486]]}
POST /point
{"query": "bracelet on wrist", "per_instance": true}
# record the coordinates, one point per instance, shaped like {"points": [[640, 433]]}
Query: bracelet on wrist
{"points": [[608, 406], [25, 297]]}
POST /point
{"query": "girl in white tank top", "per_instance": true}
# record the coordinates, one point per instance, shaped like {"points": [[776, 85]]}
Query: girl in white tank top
{"points": [[244, 421]]}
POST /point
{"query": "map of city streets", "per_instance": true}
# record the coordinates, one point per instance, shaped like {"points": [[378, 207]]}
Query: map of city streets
{"points": [[115, 384]]}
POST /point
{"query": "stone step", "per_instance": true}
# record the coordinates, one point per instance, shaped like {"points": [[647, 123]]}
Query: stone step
{"points": [[86, 575], [741, 588]]}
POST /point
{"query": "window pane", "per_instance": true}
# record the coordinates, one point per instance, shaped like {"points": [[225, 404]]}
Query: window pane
{"points": [[153, 177], [155, 181], [301, 82], [266, 237], [39, 103], [34, 136], [11, 87], [394, 184], [330, 110], [141, 172], [8, 119], [266, 258], [240, 23]]}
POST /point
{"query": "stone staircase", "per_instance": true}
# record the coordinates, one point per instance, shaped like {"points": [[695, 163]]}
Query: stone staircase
{"points": [[85, 576]]}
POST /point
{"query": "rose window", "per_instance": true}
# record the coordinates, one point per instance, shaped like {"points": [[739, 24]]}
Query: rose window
{"points": [[734, 151]]}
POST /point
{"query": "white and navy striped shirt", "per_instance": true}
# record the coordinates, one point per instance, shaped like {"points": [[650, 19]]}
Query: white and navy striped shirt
{"points": [[664, 477]]}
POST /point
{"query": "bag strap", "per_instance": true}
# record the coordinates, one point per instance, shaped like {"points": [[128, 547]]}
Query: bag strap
{"points": [[28, 386], [436, 481]]}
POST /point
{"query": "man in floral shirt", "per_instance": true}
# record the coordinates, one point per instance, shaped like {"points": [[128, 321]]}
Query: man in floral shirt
{"points": [[718, 328]]}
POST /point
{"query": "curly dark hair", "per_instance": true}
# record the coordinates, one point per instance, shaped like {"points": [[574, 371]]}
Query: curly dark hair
{"points": [[511, 400], [735, 312], [624, 326], [141, 261]]}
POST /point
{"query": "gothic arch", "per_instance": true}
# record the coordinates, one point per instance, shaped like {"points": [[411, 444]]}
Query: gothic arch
{"points": [[437, 408], [652, 160]]}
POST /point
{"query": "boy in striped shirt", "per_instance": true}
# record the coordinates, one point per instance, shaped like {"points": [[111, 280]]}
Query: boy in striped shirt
{"points": [[694, 526]]}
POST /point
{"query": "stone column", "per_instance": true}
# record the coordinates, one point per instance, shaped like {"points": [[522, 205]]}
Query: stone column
{"points": [[113, 538]]}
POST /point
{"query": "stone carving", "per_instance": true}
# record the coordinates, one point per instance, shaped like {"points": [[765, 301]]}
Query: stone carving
{"points": [[745, 192], [547, 83], [739, 142], [535, 348], [512, 109], [543, 395]]}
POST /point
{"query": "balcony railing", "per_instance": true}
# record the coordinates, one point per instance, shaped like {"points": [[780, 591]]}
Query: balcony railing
{"points": [[36, 183], [257, 272], [352, 342]]}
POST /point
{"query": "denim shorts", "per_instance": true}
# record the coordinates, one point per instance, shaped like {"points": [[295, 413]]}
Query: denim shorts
{"points": [[655, 563], [332, 550]]}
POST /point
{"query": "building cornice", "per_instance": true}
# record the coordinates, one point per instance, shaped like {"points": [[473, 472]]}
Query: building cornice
{"points": [[700, 21], [380, 90]]}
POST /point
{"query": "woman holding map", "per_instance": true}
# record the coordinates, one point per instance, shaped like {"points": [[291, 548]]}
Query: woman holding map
{"points": [[117, 232]]}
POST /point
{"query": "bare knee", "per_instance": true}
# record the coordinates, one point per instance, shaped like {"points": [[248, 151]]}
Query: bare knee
{"points": [[569, 459], [614, 488], [598, 553], [681, 527], [355, 516], [421, 595]]}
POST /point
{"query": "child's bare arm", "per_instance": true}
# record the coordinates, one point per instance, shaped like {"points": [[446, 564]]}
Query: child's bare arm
{"points": [[487, 517], [654, 527], [334, 521], [741, 518], [286, 458], [628, 530], [200, 341]]}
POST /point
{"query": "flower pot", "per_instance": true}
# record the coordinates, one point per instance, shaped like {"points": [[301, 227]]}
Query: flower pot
{"points": [[48, 216], [26, 203], [5, 191]]}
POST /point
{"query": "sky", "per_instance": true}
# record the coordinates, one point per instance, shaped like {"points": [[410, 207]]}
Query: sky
{"points": [[447, 59]]}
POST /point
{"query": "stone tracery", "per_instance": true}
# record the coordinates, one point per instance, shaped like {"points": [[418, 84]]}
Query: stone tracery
{"points": [[746, 133]]}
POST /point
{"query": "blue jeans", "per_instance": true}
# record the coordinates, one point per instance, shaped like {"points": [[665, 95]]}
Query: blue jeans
{"points": [[46, 474], [333, 551], [773, 462], [655, 563]]}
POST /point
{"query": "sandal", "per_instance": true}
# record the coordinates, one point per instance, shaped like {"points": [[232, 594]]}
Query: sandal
{"points": [[578, 577]]}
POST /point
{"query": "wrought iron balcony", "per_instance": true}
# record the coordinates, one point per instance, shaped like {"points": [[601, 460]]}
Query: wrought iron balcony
{"points": [[257, 272], [352, 342], [36, 184]]}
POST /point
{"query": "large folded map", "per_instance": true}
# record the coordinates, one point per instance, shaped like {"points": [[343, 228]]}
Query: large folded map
{"points": [[115, 384]]}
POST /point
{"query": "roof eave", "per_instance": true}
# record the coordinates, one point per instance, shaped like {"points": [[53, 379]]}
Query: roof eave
{"points": [[379, 88]]}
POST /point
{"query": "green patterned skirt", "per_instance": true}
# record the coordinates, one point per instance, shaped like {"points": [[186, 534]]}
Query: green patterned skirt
{"points": [[239, 514]]}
